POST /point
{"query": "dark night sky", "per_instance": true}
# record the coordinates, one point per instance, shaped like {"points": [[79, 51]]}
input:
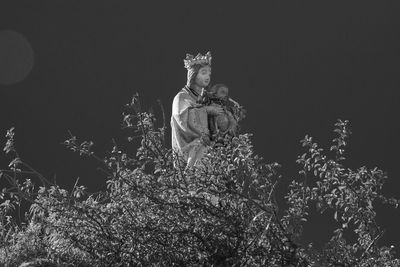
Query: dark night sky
{"points": [[296, 66]]}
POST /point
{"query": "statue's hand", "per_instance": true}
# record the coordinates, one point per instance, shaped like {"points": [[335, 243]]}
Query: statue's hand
{"points": [[214, 110]]}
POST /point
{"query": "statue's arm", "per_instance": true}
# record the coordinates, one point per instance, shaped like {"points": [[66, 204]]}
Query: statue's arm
{"points": [[239, 112]]}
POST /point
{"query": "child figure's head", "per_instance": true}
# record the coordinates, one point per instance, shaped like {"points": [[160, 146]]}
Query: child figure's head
{"points": [[220, 91]]}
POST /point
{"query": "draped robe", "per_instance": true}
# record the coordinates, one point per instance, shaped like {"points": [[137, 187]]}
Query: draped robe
{"points": [[189, 126]]}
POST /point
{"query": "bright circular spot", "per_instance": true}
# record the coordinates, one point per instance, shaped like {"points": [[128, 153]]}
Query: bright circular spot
{"points": [[16, 57]]}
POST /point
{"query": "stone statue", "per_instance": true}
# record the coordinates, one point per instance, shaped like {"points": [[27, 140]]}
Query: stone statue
{"points": [[189, 120], [201, 117]]}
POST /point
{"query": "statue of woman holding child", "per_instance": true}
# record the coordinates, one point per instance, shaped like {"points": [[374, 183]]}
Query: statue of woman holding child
{"points": [[200, 115]]}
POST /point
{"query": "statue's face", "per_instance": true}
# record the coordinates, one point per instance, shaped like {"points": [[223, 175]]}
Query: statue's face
{"points": [[222, 92], [203, 77]]}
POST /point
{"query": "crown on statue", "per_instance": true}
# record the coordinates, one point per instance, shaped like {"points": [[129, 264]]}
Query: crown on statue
{"points": [[190, 60]]}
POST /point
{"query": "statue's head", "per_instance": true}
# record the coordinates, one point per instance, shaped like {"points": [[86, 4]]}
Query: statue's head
{"points": [[199, 69], [220, 91]]}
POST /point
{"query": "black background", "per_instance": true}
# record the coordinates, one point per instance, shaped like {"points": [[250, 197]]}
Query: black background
{"points": [[297, 67]]}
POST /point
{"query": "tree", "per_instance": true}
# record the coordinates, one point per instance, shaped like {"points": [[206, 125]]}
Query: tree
{"points": [[155, 211]]}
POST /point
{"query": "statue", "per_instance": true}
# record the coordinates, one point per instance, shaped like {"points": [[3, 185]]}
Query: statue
{"points": [[189, 120], [200, 117]]}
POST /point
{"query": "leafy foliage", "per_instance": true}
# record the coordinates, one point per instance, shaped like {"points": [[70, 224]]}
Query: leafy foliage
{"points": [[156, 211]]}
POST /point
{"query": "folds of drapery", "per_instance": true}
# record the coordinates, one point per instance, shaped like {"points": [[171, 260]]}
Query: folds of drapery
{"points": [[189, 125]]}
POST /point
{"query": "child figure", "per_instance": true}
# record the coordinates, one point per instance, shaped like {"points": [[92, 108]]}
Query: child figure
{"points": [[226, 123]]}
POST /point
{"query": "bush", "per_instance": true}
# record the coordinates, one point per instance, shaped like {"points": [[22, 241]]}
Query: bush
{"points": [[222, 213]]}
